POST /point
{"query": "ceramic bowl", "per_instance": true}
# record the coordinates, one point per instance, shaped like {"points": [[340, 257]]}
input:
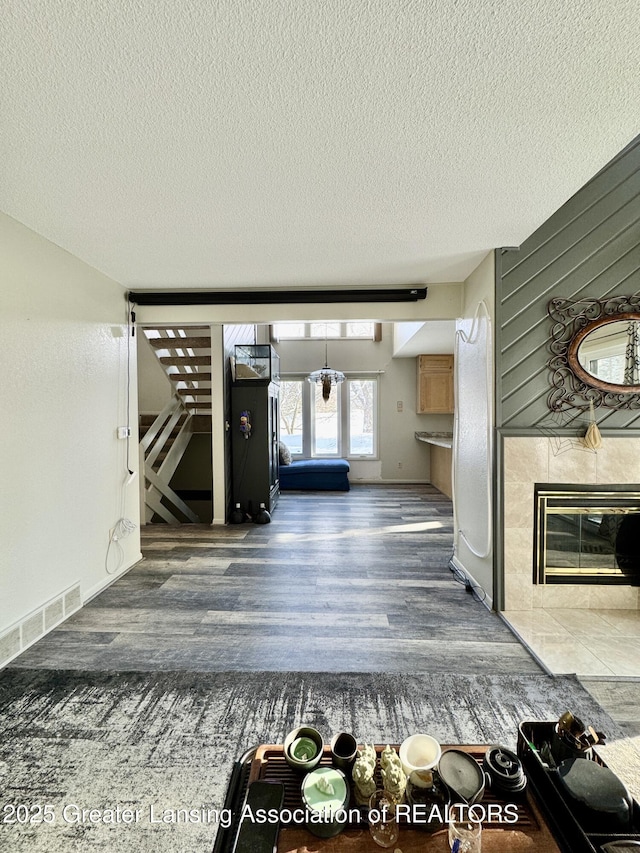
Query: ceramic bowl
{"points": [[344, 748], [462, 774], [419, 752], [303, 748]]}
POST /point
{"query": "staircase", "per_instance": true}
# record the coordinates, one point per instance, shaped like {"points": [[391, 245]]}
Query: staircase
{"points": [[186, 358]]}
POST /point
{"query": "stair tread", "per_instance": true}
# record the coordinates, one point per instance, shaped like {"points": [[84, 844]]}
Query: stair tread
{"points": [[193, 330], [180, 343], [190, 377], [185, 360]]}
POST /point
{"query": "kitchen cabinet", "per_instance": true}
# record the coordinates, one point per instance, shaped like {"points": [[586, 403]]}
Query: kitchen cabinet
{"points": [[440, 444], [435, 384]]}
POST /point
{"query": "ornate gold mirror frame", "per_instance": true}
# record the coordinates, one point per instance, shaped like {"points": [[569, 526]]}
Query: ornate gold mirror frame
{"points": [[573, 387]]}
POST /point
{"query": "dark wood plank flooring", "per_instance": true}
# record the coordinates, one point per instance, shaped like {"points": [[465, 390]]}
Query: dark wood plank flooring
{"points": [[355, 581]]}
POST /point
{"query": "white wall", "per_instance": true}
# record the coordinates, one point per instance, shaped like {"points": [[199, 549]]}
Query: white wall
{"points": [[397, 383], [64, 339], [472, 449], [154, 387]]}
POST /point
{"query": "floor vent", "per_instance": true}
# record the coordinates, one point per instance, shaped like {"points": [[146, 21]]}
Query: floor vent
{"points": [[20, 636]]}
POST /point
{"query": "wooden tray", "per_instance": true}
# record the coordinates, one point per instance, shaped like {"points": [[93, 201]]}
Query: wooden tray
{"points": [[530, 833]]}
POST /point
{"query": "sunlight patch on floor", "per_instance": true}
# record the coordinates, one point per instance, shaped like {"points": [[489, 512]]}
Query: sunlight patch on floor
{"points": [[418, 527]]}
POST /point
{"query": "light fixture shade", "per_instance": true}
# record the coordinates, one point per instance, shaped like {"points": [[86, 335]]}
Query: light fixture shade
{"points": [[326, 374], [326, 377]]}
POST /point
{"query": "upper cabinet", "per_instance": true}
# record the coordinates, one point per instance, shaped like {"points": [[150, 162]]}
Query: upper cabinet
{"points": [[435, 385]]}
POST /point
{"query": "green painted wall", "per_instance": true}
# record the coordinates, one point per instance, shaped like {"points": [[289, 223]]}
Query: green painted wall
{"points": [[589, 248]]}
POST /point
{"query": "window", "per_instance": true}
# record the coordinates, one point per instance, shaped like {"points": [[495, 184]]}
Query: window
{"points": [[609, 368], [325, 330], [360, 330], [344, 425], [291, 415], [284, 331], [299, 331], [325, 422], [362, 416]]}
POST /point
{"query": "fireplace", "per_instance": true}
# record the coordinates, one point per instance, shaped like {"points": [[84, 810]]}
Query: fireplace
{"points": [[586, 534]]}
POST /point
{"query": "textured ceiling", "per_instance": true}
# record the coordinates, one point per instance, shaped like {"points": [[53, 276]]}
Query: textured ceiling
{"points": [[226, 143]]}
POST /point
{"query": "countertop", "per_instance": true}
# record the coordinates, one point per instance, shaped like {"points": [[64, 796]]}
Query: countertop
{"points": [[441, 439]]}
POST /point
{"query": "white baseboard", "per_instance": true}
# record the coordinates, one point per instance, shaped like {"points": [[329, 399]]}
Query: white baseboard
{"points": [[488, 598], [105, 583], [378, 482], [19, 636]]}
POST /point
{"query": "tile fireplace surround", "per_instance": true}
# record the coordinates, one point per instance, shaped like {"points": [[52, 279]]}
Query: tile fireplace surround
{"points": [[593, 630], [530, 460]]}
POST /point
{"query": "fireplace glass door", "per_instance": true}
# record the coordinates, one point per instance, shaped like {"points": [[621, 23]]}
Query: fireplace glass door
{"points": [[587, 535]]}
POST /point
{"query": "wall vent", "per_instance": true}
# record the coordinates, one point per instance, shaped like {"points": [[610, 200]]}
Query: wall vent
{"points": [[19, 637], [53, 613], [32, 628], [10, 645], [72, 600]]}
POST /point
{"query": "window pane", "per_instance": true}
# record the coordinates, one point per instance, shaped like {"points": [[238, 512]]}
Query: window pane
{"points": [[609, 369], [326, 422], [360, 330], [362, 408], [324, 330], [281, 331], [291, 415]]}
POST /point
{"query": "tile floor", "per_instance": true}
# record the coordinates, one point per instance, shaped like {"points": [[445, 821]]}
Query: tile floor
{"points": [[585, 642]]}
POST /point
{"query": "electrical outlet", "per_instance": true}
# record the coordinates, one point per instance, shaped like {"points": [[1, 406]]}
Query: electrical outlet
{"points": [[399, 406], [399, 464]]}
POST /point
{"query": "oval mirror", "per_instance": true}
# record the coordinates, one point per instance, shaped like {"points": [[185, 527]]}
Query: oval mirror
{"points": [[606, 354]]}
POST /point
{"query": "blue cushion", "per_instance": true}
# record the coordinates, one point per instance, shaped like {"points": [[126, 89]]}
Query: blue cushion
{"points": [[321, 474]]}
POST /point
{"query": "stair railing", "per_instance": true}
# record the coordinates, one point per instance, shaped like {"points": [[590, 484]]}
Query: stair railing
{"points": [[152, 445]]}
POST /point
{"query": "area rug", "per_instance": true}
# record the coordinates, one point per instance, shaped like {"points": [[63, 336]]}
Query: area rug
{"points": [[162, 742]]}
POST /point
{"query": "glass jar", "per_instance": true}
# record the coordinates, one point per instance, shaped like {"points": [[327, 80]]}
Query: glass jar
{"points": [[429, 797]]}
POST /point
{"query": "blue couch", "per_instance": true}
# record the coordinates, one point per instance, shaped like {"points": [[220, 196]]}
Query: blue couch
{"points": [[320, 474]]}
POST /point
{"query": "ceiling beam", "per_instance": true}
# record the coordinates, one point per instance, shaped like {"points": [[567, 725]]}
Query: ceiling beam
{"points": [[276, 297]]}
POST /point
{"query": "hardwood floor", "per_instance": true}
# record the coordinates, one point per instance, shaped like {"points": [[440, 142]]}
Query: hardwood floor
{"points": [[355, 581]]}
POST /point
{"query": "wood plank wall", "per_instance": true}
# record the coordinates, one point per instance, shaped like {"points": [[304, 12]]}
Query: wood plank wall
{"points": [[589, 248]]}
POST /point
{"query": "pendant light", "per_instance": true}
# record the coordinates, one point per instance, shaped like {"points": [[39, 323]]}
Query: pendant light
{"points": [[326, 376]]}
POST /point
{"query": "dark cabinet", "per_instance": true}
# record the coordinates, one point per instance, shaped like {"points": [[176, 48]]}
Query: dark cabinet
{"points": [[254, 441]]}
